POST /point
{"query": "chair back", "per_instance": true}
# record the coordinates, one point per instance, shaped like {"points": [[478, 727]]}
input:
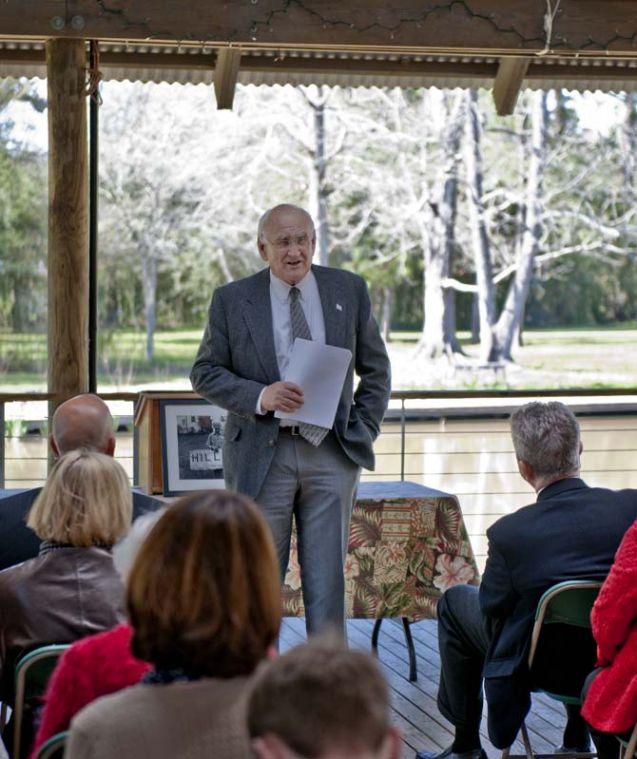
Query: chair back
{"points": [[562, 626], [629, 747], [53, 748], [32, 673]]}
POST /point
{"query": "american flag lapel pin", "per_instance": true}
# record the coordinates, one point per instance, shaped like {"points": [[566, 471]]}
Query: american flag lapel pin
{"points": [[339, 307]]}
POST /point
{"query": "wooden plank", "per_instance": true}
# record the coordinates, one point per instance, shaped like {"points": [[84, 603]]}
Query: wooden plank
{"points": [[68, 221], [226, 73], [497, 26], [414, 704], [508, 83]]}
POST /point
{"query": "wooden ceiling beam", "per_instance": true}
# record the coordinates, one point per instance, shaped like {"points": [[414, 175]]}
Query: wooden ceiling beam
{"points": [[496, 27], [226, 73], [508, 83]]}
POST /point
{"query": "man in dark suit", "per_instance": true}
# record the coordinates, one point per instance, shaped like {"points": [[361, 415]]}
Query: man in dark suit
{"points": [[291, 468], [81, 422], [570, 533]]}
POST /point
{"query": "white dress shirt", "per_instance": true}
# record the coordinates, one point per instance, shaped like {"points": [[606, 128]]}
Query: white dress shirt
{"points": [[280, 304]]}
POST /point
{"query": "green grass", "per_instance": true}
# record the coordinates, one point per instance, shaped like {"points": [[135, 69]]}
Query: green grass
{"points": [[582, 357]]}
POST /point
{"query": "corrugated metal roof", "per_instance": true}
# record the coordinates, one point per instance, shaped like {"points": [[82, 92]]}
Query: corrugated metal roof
{"points": [[195, 64]]}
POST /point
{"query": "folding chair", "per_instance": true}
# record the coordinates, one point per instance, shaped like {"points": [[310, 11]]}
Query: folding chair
{"points": [[629, 747], [32, 672], [54, 747], [569, 605]]}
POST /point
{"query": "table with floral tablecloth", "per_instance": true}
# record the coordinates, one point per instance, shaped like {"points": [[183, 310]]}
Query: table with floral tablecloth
{"points": [[407, 544]]}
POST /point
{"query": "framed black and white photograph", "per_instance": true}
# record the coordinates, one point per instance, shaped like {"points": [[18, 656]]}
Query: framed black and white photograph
{"points": [[192, 445]]}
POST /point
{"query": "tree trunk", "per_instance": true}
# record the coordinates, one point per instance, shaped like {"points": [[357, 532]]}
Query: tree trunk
{"points": [[432, 340], [510, 319], [628, 143], [20, 307], [449, 328], [475, 319], [479, 234], [149, 285], [318, 185], [388, 300], [438, 334]]}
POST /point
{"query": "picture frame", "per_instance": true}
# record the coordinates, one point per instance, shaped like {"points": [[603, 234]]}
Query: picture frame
{"points": [[191, 445]]}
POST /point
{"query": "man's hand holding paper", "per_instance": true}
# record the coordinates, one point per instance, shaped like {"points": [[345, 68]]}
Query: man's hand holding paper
{"points": [[320, 371]]}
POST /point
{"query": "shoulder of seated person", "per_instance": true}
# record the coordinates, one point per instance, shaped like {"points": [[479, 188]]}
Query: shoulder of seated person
{"points": [[510, 521]]}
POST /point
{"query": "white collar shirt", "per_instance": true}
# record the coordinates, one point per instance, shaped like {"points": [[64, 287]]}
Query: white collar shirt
{"points": [[281, 324]]}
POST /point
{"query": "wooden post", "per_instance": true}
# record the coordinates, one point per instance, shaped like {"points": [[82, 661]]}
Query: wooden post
{"points": [[68, 220]]}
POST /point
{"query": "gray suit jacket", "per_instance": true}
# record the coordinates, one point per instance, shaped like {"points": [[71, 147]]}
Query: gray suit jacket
{"points": [[237, 359]]}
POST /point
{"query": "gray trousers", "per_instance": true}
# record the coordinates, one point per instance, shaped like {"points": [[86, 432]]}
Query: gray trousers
{"points": [[317, 486]]}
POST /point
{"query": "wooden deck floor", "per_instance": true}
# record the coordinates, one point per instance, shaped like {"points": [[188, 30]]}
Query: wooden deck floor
{"points": [[414, 704]]}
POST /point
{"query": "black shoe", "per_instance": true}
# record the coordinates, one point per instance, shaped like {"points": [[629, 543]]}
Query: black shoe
{"points": [[477, 753], [574, 749]]}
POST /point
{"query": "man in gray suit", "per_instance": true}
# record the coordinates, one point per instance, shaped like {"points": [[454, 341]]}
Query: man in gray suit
{"points": [[290, 468]]}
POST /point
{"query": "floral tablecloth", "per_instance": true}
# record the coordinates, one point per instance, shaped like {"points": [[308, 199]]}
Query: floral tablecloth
{"points": [[407, 545]]}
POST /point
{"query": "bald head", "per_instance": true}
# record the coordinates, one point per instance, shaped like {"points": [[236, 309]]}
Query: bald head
{"points": [[283, 209], [83, 422]]}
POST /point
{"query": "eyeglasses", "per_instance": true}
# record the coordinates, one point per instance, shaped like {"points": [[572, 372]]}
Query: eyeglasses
{"points": [[283, 243]]}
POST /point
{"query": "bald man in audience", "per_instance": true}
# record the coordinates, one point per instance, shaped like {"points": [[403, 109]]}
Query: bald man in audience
{"points": [[81, 422]]}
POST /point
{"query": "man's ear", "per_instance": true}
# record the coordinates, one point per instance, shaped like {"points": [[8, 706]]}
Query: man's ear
{"points": [[110, 446], [268, 746], [526, 471], [392, 748], [54, 446], [262, 251]]}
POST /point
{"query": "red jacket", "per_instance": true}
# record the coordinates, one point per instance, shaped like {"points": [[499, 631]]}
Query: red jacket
{"points": [[611, 703], [94, 666]]}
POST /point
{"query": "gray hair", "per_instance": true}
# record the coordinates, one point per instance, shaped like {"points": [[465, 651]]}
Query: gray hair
{"points": [[546, 436], [263, 220]]}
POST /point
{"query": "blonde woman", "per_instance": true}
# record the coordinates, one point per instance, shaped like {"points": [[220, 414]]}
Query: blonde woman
{"points": [[72, 588]]}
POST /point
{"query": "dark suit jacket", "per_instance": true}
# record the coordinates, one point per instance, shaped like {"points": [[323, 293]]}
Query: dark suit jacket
{"points": [[18, 543], [571, 533], [237, 358]]}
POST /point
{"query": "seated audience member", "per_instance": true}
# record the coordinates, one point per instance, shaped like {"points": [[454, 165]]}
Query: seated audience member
{"points": [[571, 532], [72, 588], [81, 422], [93, 667], [610, 707], [204, 603], [98, 664], [321, 701]]}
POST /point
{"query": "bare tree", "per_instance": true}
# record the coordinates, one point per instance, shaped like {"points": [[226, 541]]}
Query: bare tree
{"points": [[510, 320], [438, 334], [480, 239]]}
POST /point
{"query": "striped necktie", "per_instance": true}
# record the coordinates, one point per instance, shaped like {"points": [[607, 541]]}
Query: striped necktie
{"points": [[300, 328]]}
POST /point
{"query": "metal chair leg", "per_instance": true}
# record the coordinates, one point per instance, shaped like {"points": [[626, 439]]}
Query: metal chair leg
{"points": [[375, 633], [413, 664], [527, 742], [629, 749]]}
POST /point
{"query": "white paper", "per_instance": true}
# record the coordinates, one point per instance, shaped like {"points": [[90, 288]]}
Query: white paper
{"points": [[320, 371]]}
